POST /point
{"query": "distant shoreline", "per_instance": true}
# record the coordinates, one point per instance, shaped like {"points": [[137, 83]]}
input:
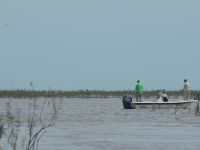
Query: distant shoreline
{"points": [[84, 93]]}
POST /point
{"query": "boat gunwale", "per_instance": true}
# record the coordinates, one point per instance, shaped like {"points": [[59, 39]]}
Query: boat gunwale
{"points": [[165, 103]]}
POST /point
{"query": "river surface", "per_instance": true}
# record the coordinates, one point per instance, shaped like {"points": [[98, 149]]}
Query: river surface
{"points": [[103, 124]]}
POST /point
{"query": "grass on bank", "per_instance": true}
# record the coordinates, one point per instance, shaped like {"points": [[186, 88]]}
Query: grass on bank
{"points": [[84, 93]]}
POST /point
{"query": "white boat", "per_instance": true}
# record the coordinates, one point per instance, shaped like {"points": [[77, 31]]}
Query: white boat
{"points": [[180, 104]]}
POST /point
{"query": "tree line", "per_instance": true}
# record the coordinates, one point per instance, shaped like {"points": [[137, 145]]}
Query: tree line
{"points": [[84, 93]]}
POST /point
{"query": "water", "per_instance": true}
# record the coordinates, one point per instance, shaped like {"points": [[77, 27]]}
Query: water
{"points": [[103, 124]]}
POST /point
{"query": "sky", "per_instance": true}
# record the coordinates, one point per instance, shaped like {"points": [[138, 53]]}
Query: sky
{"points": [[99, 44]]}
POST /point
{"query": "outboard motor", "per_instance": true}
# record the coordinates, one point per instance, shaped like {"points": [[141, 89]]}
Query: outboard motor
{"points": [[127, 102]]}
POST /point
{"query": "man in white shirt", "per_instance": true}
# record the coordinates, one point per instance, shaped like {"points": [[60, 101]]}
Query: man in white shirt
{"points": [[162, 97], [186, 89]]}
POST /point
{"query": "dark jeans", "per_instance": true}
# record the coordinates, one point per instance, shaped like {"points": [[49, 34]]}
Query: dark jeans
{"points": [[165, 99]]}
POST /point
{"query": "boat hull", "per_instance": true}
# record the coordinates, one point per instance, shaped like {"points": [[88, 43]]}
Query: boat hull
{"points": [[161, 105]]}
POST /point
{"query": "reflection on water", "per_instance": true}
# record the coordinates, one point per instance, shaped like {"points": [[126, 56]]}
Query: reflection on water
{"points": [[99, 124]]}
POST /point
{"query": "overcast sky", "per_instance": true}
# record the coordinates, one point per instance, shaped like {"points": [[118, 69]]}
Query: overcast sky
{"points": [[99, 44]]}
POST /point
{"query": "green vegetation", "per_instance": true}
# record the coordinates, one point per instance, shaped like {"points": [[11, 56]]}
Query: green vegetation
{"points": [[83, 93]]}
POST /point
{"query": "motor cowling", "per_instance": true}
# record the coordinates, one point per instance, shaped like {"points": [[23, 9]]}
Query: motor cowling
{"points": [[127, 100]]}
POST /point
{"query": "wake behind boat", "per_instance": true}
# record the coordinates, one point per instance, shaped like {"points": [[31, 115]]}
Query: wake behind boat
{"points": [[179, 104]]}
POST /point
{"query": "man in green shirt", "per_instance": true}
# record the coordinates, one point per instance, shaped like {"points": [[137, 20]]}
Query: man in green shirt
{"points": [[139, 91]]}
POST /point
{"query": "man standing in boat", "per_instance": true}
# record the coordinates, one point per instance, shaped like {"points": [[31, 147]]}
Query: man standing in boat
{"points": [[139, 91], [186, 90]]}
